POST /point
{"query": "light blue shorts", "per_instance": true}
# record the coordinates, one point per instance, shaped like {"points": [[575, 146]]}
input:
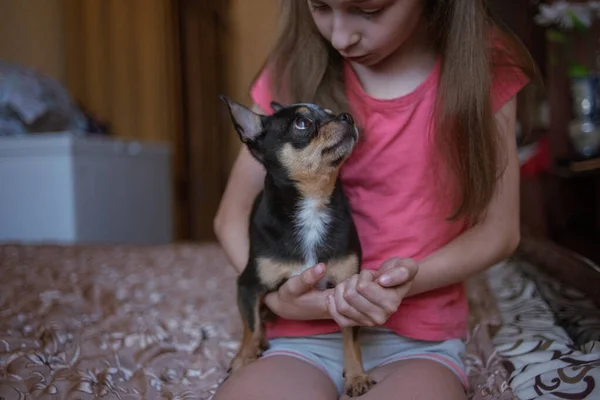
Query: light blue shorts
{"points": [[379, 347]]}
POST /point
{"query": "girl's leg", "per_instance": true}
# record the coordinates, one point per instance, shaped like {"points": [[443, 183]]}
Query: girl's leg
{"points": [[414, 379], [278, 377]]}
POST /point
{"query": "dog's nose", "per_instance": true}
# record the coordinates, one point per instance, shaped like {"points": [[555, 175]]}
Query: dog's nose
{"points": [[345, 117]]}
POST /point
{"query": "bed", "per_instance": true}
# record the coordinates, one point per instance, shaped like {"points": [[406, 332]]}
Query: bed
{"points": [[160, 322]]}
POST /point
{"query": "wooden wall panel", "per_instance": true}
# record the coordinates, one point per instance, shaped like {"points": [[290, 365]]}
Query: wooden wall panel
{"points": [[153, 69], [31, 34], [248, 44], [122, 64], [224, 45], [202, 27]]}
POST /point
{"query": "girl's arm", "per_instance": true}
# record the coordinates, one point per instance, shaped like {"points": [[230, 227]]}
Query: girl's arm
{"points": [[490, 241], [374, 297], [232, 219]]}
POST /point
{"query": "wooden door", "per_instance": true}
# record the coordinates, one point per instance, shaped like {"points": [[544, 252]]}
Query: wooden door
{"points": [[203, 75], [122, 64]]}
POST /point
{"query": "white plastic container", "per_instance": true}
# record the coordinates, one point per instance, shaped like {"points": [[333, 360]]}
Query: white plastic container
{"points": [[58, 187]]}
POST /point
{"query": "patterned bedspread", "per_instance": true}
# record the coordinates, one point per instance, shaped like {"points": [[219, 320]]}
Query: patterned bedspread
{"points": [[538, 314], [160, 322]]}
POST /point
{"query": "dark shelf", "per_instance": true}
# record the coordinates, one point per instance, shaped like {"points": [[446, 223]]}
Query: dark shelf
{"points": [[574, 168], [585, 244]]}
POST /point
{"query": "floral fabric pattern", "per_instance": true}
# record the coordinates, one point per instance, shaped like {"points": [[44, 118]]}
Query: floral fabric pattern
{"points": [[543, 360], [160, 322]]}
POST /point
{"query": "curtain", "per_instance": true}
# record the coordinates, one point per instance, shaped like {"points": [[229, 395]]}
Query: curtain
{"points": [[122, 65]]}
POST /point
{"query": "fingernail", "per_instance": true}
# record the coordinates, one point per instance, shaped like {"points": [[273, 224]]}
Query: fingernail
{"points": [[403, 273], [319, 269]]}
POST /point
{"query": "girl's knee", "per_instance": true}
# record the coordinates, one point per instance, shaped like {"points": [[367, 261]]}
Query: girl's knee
{"points": [[275, 378]]}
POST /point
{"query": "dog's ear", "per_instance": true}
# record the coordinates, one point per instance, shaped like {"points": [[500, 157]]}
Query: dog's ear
{"points": [[248, 124], [276, 106]]}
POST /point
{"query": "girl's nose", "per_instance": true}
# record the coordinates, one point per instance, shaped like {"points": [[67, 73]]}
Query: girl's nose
{"points": [[343, 38]]}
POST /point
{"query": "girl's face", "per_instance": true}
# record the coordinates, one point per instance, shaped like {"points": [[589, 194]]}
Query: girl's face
{"points": [[366, 31]]}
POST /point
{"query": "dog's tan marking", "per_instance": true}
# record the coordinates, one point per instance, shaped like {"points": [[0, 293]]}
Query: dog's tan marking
{"points": [[303, 110], [341, 269], [310, 167], [272, 272], [356, 381], [252, 343], [315, 178], [332, 132], [317, 189]]}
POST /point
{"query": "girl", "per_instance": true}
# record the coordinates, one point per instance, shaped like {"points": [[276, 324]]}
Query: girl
{"points": [[433, 185]]}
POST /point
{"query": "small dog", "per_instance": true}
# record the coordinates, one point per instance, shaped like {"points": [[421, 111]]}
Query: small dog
{"points": [[299, 219]]}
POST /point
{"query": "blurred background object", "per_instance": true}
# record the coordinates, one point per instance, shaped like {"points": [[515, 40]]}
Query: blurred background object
{"points": [[147, 71], [31, 102], [151, 71]]}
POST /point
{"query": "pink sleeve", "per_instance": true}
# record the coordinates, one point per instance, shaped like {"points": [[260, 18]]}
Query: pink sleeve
{"points": [[507, 79], [260, 92], [507, 82]]}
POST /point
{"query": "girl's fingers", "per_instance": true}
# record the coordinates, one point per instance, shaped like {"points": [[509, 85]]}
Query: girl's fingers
{"points": [[397, 272], [337, 317], [303, 283], [345, 309], [386, 299], [375, 314]]}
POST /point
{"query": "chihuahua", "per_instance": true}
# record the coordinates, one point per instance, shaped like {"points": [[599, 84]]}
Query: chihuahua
{"points": [[299, 219]]}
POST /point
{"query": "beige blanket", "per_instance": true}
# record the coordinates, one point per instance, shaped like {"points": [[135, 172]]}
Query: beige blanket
{"points": [[160, 322]]}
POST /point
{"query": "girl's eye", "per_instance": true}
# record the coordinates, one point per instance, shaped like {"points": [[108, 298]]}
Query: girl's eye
{"points": [[302, 123], [317, 6], [371, 12]]}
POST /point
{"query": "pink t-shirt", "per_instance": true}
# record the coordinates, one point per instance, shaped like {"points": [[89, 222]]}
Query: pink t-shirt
{"points": [[394, 193]]}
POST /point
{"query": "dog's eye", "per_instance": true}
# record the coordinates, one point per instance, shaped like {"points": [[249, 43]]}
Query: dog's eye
{"points": [[302, 123]]}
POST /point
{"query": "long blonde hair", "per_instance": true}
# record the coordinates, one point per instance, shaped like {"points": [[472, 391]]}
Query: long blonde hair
{"points": [[462, 32]]}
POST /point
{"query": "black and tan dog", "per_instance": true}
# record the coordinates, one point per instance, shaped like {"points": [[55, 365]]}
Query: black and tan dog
{"points": [[301, 217]]}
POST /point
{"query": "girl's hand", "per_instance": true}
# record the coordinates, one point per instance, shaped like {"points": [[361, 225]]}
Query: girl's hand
{"points": [[369, 298], [298, 299]]}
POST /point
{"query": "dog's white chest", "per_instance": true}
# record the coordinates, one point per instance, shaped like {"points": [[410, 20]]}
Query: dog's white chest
{"points": [[311, 224]]}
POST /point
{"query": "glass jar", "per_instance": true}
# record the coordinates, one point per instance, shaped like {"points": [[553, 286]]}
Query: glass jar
{"points": [[584, 129]]}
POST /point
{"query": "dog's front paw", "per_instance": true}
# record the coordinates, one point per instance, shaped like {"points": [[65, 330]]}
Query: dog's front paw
{"points": [[358, 385]]}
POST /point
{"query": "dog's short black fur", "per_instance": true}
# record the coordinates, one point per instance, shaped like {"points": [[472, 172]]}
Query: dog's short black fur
{"points": [[299, 219]]}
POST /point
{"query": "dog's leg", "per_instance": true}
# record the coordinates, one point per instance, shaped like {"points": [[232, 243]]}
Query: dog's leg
{"points": [[265, 313], [253, 342], [356, 381]]}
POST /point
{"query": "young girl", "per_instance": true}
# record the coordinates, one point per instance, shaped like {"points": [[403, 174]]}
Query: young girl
{"points": [[433, 185]]}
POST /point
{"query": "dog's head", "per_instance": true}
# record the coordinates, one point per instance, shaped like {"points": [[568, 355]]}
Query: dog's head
{"points": [[300, 142]]}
